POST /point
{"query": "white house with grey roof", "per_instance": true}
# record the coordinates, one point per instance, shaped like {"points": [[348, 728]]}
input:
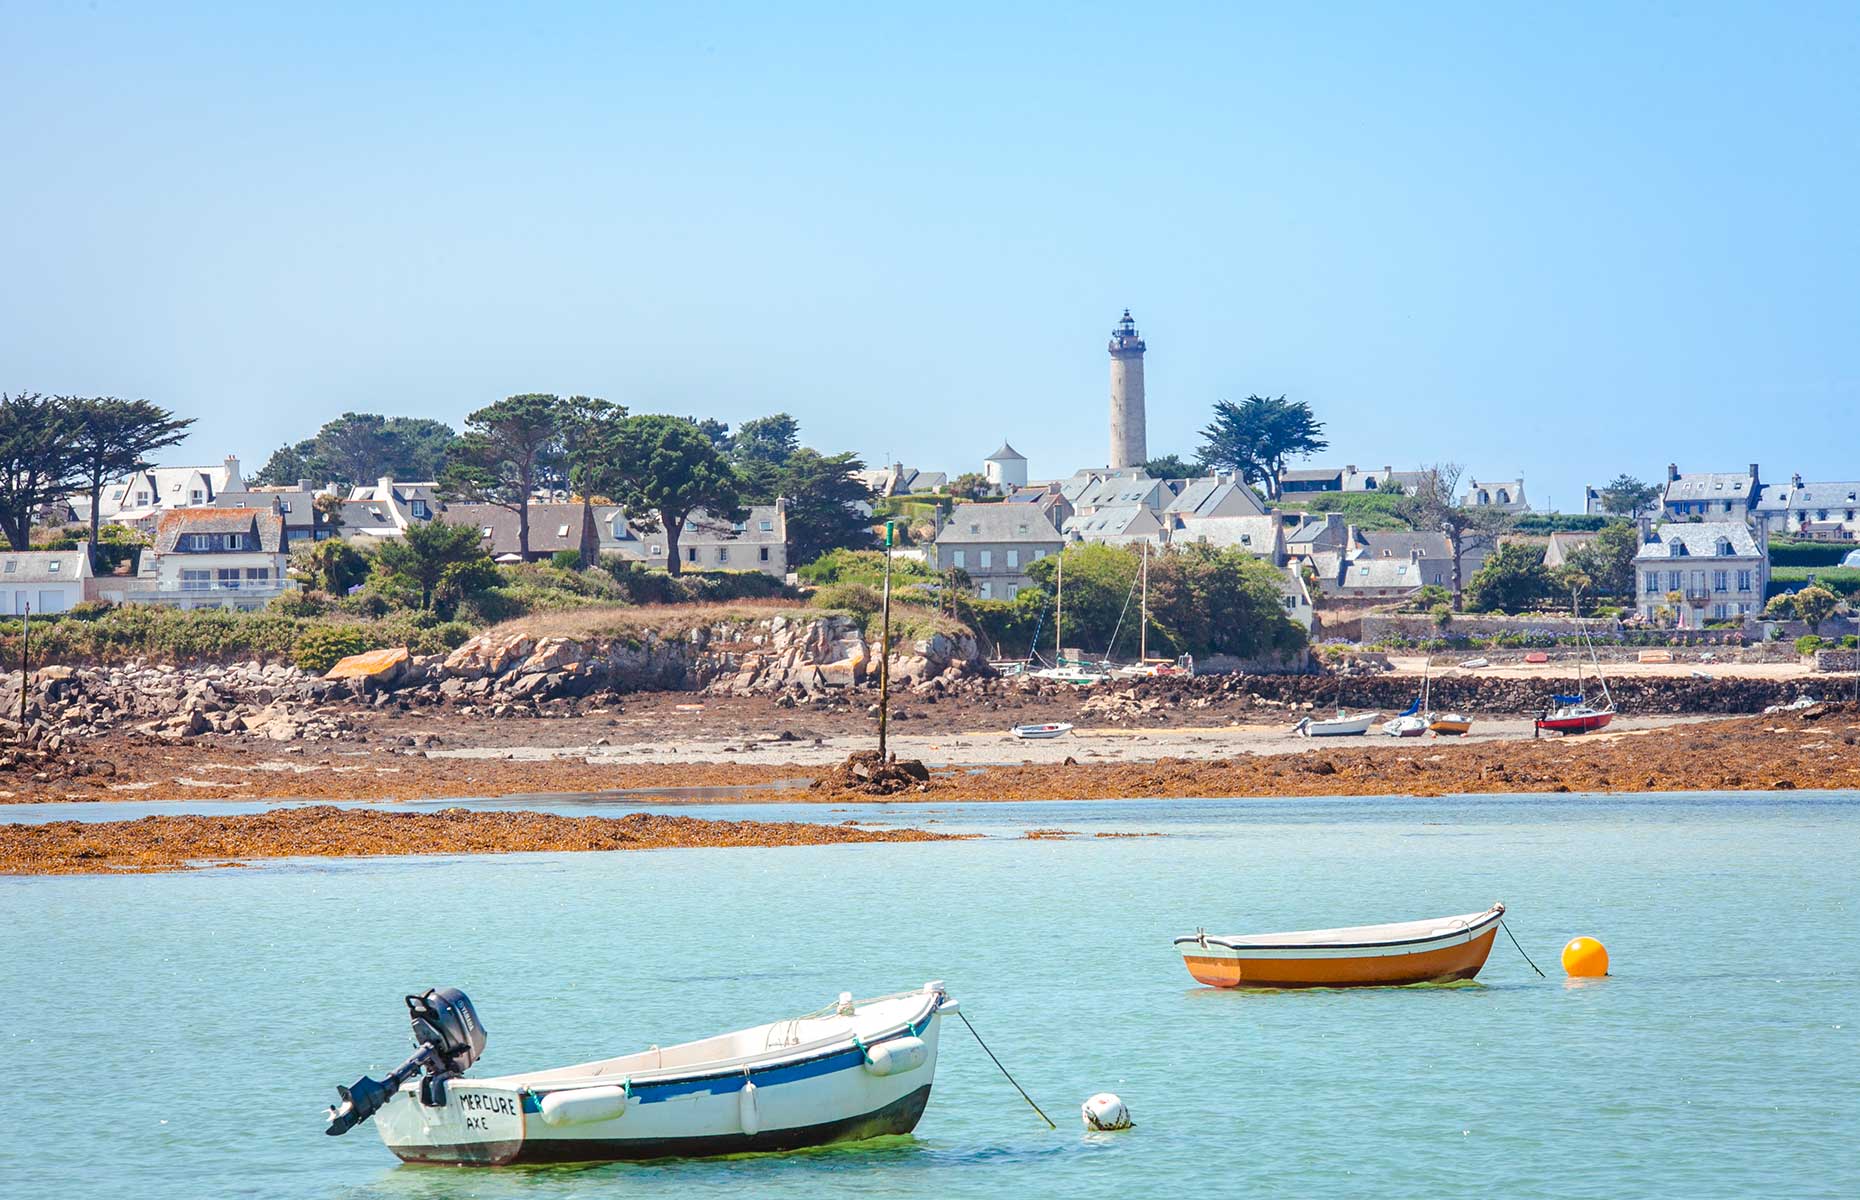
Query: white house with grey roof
{"points": [[1709, 495], [1117, 525], [995, 544], [139, 499], [209, 558], [1820, 511], [1702, 570], [44, 581], [758, 542], [1496, 495]]}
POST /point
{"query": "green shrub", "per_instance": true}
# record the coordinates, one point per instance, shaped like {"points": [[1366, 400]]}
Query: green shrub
{"points": [[1786, 552], [301, 602], [854, 598], [321, 647], [1808, 643], [566, 560]]}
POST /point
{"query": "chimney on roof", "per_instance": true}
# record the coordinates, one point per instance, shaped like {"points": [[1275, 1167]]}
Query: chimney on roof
{"points": [[384, 488], [303, 485], [1350, 469], [1753, 475], [1795, 480], [233, 482], [1351, 539], [1672, 472]]}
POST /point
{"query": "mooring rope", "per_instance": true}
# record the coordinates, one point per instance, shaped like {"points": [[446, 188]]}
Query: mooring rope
{"points": [[1004, 1070], [1514, 941]]}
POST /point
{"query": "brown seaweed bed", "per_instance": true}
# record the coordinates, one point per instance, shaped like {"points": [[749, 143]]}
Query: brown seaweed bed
{"points": [[1818, 747], [183, 842]]}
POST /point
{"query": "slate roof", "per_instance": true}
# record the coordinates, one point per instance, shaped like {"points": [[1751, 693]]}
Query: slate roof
{"points": [[553, 526], [985, 523], [1698, 539], [1327, 533], [1381, 573], [43, 566], [1123, 490], [1259, 535], [1793, 497], [1211, 495], [1709, 485], [264, 524], [1312, 475], [1117, 520], [1007, 453]]}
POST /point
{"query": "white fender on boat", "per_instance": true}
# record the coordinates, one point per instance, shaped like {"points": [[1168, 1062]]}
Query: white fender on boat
{"points": [[583, 1105], [896, 1056], [1105, 1111], [746, 1108]]}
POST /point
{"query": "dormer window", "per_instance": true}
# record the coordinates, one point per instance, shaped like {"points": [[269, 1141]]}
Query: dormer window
{"points": [[1724, 547], [975, 528], [419, 509], [1675, 549]]}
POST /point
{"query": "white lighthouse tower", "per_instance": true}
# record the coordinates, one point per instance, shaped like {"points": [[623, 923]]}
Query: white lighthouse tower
{"points": [[1129, 440]]}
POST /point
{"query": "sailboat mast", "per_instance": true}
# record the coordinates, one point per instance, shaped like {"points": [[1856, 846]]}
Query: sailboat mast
{"points": [[1143, 624], [1059, 607]]}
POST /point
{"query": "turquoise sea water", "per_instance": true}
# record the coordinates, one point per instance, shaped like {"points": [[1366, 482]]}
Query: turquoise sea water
{"points": [[179, 1035]]}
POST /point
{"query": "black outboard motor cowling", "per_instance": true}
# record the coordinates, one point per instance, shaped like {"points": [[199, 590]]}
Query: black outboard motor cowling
{"points": [[450, 1039], [444, 1019]]}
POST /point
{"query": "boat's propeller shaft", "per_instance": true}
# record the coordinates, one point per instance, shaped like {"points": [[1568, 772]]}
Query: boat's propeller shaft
{"points": [[450, 1037]]}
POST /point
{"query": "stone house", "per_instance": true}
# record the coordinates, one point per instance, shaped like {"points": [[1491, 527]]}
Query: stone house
{"points": [[553, 527], [1117, 525], [994, 544], [1817, 511], [209, 558], [758, 542], [900, 480], [1709, 495], [46, 581], [1718, 570], [139, 499], [1498, 496], [388, 507], [303, 520]]}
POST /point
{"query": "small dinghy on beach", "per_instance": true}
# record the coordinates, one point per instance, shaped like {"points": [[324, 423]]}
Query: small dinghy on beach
{"points": [[1051, 729], [1342, 725], [1435, 951], [853, 1070]]}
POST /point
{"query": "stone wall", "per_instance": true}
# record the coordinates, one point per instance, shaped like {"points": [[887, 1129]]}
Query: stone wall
{"points": [[1485, 695]]}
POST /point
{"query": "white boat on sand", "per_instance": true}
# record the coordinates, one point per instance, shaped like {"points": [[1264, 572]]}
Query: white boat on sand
{"points": [[1342, 725], [850, 1071], [1051, 729]]}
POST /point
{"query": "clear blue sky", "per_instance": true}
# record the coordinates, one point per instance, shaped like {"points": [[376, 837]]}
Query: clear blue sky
{"points": [[1563, 241]]}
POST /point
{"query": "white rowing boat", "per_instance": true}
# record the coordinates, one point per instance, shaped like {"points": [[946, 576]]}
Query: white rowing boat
{"points": [[1051, 729], [850, 1071], [1342, 725]]}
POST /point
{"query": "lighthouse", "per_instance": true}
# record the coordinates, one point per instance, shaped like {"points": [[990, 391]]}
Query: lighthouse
{"points": [[1129, 444]]}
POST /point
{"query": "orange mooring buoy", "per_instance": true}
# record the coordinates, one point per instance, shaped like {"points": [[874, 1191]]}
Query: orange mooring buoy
{"points": [[1585, 958]]}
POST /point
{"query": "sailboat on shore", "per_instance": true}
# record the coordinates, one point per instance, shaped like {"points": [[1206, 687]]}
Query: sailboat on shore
{"points": [[1568, 715], [1078, 674]]}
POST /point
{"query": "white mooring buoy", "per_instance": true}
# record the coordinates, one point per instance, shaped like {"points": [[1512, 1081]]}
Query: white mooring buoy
{"points": [[1105, 1112]]}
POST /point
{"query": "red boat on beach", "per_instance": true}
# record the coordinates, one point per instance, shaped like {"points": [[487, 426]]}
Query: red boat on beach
{"points": [[1568, 715], [1571, 715]]}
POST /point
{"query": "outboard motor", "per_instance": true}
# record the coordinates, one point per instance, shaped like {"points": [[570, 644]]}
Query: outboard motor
{"points": [[450, 1039]]}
